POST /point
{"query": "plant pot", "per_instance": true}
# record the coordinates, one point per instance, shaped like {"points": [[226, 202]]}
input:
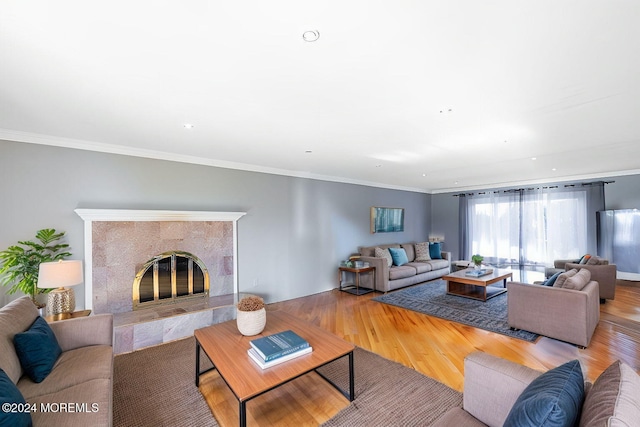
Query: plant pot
{"points": [[251, 322], [477, 266]]}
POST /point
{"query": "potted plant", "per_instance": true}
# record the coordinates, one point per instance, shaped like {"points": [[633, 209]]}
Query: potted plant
{"points": [[19, 265], [477, 260], [252, 316]]}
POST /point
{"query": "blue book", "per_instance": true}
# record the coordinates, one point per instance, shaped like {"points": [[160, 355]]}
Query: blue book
{"points": [[277, 345]]}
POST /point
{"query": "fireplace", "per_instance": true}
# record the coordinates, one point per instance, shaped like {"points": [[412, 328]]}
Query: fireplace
{"points": [[168, 278]]}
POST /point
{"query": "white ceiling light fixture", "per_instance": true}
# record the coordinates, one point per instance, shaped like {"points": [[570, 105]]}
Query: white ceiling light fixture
{"points": [[311, 35], [188, 126]]}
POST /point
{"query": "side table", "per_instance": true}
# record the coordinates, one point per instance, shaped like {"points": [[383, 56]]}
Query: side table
{"points": [[64, 316], [356, 271]]}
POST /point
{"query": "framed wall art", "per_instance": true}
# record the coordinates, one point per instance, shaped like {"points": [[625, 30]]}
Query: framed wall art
{"points": [[386, 220]]}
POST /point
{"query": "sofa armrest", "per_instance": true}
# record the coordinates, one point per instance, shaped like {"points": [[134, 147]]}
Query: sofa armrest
{"points": [[492, 385], [563, 314], [382, 272], [560, 263], [84, 331]]}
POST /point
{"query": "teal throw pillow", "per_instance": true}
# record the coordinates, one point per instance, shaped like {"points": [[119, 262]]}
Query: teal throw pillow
{"points": [[551, 280], [13, 410], [399, 256], [553, 399], [37, 349], [435, 251]]}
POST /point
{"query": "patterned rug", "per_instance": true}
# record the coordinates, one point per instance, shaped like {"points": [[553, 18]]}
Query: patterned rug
{"points": [[431, 298]]}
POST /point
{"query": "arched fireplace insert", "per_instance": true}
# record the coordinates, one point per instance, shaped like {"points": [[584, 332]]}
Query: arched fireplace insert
{"points": [[168, 278]]}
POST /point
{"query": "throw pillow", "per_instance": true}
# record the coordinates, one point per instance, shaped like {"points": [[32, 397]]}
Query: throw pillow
{"points": [[38, 349], [551, 280], [559, 283], [384, 253], [422, 252], [435, 251], [584, 259], [578, 281], [9, 394], [613, 398], [594, 260], [399, 256], [553, 399]]}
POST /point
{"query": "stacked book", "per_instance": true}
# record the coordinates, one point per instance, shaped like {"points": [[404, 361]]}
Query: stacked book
{"points": [[277, 348], [479, 273]]}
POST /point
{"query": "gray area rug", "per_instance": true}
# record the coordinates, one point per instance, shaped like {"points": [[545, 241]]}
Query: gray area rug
{"points": [[155, 387], [431, 298]]}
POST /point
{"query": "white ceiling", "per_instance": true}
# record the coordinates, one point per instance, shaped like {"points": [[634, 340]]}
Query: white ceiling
{"points": [[428, 95]]}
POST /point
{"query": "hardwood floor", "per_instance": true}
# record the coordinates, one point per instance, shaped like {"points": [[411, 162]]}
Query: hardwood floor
{"points": [[432, 346]]}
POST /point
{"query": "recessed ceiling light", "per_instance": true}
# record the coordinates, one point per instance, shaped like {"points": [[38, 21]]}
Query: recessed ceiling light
{"points": [[553, 169], [534, 158], [311, 35], [188, 126], [424, 174]]}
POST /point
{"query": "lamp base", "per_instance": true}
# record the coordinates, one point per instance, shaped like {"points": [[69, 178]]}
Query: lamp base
{"points": [[61, 300]]}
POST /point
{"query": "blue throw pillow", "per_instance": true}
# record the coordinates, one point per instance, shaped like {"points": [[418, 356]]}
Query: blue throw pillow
{"points": [[553, 399], [399, 256], [551, 280], [435, 251], [9, 394], [37, 349]]}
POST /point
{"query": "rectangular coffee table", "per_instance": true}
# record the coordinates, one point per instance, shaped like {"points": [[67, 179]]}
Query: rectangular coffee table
{"points": [[460, 284], [227, 349]]}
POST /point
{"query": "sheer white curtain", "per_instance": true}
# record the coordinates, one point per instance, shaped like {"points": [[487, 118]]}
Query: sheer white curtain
{"points": [[526, 227]]}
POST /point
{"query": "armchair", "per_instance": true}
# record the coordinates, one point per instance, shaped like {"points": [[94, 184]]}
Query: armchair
{"points": [[564, 314]]}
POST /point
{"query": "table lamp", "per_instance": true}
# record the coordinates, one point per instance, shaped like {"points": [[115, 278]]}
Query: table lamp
{"points": [[58, 274]]}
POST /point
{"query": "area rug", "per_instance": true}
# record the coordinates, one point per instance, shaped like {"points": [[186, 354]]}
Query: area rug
{"points": [[431, 298], [155, 387]]}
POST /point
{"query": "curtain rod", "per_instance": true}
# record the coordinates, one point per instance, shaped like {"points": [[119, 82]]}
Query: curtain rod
{"points": [[514, 190]]}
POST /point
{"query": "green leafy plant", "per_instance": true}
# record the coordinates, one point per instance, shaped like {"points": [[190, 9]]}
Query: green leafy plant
{"points": [[20, 263], [477, 259]]}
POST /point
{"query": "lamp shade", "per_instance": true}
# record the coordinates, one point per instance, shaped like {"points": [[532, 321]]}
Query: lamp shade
{"points": [[58, 274]]}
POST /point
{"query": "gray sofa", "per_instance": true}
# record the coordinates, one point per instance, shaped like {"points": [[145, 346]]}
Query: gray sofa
{"points": [[393, 277], [492, 385], [82, 376], [601, 271]]}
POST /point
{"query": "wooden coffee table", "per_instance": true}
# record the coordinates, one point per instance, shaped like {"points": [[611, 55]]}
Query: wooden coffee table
{"points": [[227, 350], [460, 284]]}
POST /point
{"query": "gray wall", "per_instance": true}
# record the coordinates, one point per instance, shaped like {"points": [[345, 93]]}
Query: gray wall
{"points": [[291, 241], [623, 193]]}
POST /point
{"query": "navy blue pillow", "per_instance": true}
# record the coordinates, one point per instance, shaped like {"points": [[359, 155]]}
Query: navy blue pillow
{"points": [[551, 280], [435, 251], [9, 394], [399, 256], [38, 349], [552, 399]]}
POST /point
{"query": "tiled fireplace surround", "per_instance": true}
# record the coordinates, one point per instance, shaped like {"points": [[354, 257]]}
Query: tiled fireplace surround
{"points": [[119, 242]]}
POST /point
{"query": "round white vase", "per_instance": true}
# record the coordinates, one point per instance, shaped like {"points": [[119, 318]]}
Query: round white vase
{"points": [[251, 322]]}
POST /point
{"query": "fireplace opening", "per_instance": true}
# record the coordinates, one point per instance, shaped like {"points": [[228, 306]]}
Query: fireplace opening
{"points": [[169, 277]]}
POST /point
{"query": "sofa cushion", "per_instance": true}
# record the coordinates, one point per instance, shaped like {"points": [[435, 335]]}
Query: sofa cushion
{"points": [[401, 272], [15, 317], [37, 349], [435, 250], [437, 264], [384, 253], [409, 248], [9, 394], [72, 368], [552, 399], [421, 267], [578, 281], [559, 283], [551, 280], [613, 399], [422, 251], [399, 256], [594, 260]]}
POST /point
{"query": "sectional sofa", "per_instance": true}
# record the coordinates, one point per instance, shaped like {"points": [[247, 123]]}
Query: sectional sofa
{"points": [[390, 276]]}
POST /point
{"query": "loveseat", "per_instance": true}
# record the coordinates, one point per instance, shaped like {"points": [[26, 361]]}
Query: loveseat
{"points": [[495, 387], [78, 390], [569, 312], [390, 276]]}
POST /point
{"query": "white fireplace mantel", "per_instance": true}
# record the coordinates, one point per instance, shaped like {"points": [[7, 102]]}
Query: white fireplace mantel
{"points": [[91, 215]]}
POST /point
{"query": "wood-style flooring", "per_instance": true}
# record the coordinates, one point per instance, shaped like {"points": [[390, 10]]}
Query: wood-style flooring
{"points": [[432, 346]]}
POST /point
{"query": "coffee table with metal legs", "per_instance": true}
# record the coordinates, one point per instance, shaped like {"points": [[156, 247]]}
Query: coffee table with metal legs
{"points": [[460, 284], [227, 349]]}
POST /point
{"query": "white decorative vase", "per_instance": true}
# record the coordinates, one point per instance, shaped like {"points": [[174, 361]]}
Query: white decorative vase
{"points": [[251, 322]]}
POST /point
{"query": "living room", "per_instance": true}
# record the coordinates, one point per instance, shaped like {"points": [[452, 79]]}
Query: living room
{"points": [[300, 225]]}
